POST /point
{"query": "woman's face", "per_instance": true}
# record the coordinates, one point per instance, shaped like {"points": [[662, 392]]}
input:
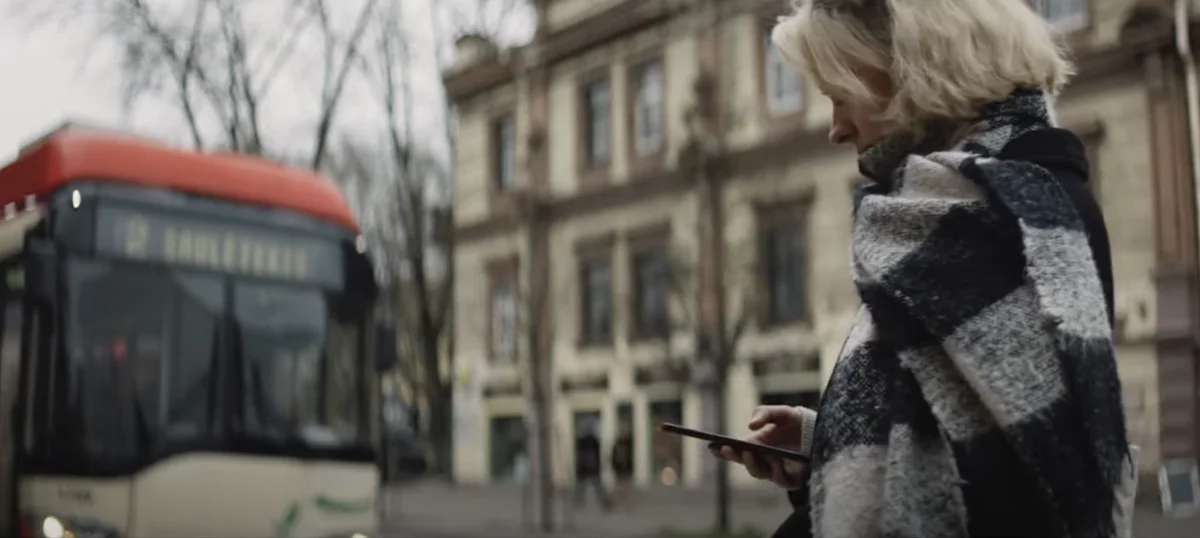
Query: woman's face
{"points": [[856, 122]]}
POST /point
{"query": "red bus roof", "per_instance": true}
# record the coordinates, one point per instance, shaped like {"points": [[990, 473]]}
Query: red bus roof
{"points": [[66, 156]]}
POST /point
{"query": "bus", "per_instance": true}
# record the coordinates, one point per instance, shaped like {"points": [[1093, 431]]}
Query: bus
{"points": [[185, 346]]}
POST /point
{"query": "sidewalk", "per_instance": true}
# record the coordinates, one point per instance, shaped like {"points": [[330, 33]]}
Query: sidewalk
{"points": [[438, 509], [1149, 522], [433, 508]]}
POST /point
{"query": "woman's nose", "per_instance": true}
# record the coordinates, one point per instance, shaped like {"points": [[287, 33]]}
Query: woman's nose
{"points": [[839, 133]]}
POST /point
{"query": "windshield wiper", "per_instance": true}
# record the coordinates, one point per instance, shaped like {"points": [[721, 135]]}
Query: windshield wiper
{"points": [[140, 424], [214, 379]]}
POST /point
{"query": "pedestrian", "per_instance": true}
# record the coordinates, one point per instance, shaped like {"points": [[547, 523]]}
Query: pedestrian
{"points": [[977, 392], [588, 468], [520, 468], [622, 464]]}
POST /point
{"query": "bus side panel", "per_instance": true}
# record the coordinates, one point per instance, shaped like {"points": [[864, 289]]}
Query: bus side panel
{"points": [[233, 496], [10, 370], [104, 500]]}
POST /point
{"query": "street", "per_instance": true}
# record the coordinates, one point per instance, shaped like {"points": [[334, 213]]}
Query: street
{"points": [[432, 508]]}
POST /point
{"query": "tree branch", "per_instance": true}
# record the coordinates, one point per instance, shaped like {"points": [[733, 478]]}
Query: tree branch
{"points": [[185, 72], [332, 91], [680, 277], [280, 48], [241, 79]]}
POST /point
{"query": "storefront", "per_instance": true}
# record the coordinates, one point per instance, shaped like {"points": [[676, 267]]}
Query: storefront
{"points": [[507, 447], [666, 450]]}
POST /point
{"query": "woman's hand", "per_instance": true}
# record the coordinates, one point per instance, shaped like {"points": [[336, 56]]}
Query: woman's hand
{"points": [[776, 425]]}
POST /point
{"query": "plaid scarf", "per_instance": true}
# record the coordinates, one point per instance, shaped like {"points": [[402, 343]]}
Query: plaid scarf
{"points": [[983, 323]]}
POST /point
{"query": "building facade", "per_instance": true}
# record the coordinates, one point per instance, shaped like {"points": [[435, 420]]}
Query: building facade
{"points": [[646, 171]]}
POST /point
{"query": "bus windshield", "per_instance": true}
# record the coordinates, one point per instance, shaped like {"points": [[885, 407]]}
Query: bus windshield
{"points": [[161, 360], [300, 369]]}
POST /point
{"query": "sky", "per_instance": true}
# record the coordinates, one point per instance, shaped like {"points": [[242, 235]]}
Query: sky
{"points": [[58, 72], [46, 85]]}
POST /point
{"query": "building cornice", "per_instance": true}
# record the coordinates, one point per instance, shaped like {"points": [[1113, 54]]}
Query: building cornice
{"points": [[605, 27], [492, 71], [1092, 64]]}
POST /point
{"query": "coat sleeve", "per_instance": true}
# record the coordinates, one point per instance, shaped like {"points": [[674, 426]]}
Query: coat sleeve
{"points": [[798, 524], [808, 427]]}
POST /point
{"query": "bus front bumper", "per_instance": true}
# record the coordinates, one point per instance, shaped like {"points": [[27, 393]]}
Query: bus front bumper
{"points": [[51, 526]]}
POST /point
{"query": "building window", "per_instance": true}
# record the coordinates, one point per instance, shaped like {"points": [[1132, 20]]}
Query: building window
{"points": [[509, 460], [648, 108], [597, 311], [650, 291], [785, 271], [625, 446], [784, 86], [504, 153], [597, 121], [1065, 15], [587, 422], [666, 457], [504, 319]]}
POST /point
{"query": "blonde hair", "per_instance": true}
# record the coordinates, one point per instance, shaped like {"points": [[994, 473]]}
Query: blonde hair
{"points": [[946, 58]]}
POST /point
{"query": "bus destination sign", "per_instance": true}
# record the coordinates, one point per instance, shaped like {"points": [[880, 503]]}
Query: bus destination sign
{"points": [[217, 246]]}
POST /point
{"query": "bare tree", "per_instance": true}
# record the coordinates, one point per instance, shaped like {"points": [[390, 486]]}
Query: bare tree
{"points": [[539, 360], [416, 228], [716, 304], [725, 296], [219, 68], [408, 191]]}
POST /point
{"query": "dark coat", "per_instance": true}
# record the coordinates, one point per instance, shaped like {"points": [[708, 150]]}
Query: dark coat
{"points": [[622, 456], [587, 456]]}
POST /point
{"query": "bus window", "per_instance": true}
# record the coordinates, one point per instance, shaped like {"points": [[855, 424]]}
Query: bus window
{"points": [[141, 352], [35, 386], [342, 392], [300, 368], [193, 337], [10, 353], [10, 359], [282, 331]]}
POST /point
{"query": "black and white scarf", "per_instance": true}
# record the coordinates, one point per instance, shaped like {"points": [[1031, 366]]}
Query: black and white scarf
{"points": [[983, 322]]}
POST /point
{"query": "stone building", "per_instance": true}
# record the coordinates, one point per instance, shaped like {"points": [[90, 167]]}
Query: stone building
{"points": [[645, 171]]}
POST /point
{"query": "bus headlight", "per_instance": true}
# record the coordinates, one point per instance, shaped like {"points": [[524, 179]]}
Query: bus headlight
{"points": [[52, 527], [44, 526], [352, 535]]}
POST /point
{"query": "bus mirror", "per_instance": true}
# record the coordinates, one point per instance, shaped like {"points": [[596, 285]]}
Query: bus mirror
{"points": [[360, 277], [367, 284], [41, 269], [385, 348]]}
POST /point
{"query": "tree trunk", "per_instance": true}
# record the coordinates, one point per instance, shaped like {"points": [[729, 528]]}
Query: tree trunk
{"points": [[447, 333], [544, 455], [710, 414], [724, 496], [435, 394], [539, 365]]}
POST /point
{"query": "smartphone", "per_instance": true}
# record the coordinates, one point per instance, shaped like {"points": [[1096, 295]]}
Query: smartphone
{"points": [[739, 445]]}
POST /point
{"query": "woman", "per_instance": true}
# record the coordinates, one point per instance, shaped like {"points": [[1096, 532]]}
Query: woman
{"points": [[977, 394]]}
